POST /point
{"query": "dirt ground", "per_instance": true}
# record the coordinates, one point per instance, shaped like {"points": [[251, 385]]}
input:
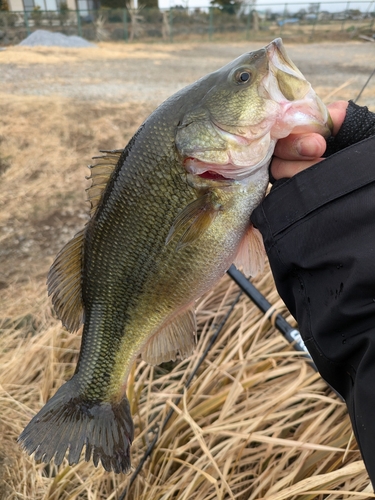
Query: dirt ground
{"points": [[58, 108], [141, 73]]}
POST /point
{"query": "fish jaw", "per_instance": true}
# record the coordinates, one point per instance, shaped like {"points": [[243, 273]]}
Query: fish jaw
{"points": [[301, 110], [238, 163]]}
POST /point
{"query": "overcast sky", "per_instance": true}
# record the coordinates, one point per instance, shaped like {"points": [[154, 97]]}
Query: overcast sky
{"points": [[278, 5]]}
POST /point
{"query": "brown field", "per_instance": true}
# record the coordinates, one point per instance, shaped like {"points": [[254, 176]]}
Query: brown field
{"points": [[257, 422]]}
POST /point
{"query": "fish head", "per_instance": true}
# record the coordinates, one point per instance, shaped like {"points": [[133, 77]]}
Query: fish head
{"points": [[242, 109]]}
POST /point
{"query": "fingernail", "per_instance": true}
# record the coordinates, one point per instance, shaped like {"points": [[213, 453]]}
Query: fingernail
{"points": [[308, 147]]}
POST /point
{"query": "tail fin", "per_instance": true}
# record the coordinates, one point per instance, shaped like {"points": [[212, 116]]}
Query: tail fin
{"points": [[68, 421]]}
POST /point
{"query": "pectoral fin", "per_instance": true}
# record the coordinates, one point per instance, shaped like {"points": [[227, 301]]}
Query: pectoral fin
{"points": [[251, 253], [176, 336], [194, 220]]}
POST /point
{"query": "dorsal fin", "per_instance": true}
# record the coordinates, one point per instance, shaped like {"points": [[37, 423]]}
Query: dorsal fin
{"points": [[101, 173], [65, 276], [64, 283]]}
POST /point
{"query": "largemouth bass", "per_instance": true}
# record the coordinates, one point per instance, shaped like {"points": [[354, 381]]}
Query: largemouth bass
{"points": [[170, 214]]}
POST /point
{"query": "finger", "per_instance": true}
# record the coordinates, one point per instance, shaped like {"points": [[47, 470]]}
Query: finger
{"points": [[281, 168], [300, 147], [303, 146], [337, 110]]}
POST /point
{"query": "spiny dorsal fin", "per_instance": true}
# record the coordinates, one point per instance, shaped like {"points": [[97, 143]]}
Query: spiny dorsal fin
{"points": [[177, 336], [100, 175], [64, 283], [194, 219], [251, 254]]}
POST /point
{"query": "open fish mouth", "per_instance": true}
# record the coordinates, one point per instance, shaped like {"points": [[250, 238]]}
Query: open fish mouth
{"points": [[278, 57], [228, 172], [214, 176], [287, 85]]}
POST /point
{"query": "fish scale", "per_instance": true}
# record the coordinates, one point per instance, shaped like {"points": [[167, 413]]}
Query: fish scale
{"points": [[133, 269], [170, 213]]}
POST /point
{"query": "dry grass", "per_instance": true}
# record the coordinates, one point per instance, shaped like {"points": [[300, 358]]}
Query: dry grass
{"points": [[256, 422]]}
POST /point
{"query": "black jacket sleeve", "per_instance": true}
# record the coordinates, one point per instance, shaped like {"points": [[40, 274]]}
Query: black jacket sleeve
{"points": [[319, 232]]}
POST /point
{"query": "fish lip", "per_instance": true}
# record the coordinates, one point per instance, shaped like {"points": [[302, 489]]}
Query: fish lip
{"points": [[279, 58], [280, 63]]}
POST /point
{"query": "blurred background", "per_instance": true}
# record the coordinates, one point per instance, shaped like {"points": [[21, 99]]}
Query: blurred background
{"points": [[170, 20]]}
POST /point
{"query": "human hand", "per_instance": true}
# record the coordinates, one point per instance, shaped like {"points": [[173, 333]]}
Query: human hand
{"points": [[299, 151]]}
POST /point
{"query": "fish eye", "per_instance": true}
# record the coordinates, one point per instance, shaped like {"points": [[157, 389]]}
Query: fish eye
{"points": [[243, 76]]}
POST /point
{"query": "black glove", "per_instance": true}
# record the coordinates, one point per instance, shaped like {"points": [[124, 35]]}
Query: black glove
{"points": [[359, 124]]}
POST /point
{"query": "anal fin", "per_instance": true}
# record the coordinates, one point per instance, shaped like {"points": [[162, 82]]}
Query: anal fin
{"points": [[176, 336], [251, 253]]}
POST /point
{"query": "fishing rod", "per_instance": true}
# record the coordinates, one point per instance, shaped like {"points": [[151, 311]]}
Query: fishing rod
{"points": [[364, 86], [291, 334]]}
